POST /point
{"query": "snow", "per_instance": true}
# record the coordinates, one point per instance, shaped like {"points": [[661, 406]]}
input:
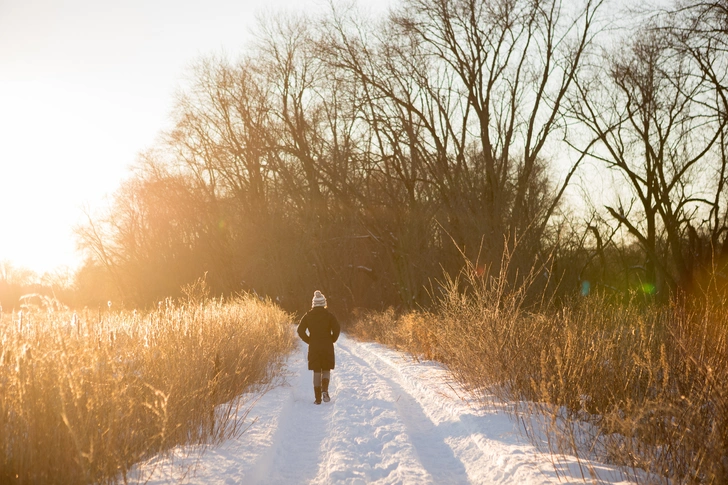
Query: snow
{"points": [[391, 420]]}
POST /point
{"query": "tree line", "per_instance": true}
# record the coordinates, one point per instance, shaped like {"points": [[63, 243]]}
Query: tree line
{"points": [[368, 156]]}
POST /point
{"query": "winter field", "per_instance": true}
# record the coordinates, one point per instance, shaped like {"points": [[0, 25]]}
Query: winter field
{"points": [[392, 420]]}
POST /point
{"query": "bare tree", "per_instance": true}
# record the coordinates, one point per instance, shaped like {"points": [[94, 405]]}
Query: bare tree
{"points": [[700, 31], [465, 100], [648, 116]]}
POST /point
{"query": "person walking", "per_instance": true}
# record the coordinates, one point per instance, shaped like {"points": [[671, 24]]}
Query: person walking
{"points": [[320, 329]]}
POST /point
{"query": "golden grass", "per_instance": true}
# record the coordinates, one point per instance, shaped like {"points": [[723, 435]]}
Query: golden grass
{"points": [[84, 397], [644, 386]]}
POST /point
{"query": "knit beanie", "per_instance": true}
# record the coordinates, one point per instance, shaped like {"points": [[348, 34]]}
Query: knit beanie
{"points": [[318, 299]]}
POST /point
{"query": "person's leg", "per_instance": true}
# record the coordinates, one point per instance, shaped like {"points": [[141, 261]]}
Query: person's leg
{"points": [[317, 386], [325, 377]]}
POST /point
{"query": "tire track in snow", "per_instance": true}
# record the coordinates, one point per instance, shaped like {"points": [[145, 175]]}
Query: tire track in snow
{"points": [[484, 460], [368, 441], [294, 453], [434, 455]]}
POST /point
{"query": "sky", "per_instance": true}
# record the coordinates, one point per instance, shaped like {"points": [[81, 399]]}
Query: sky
{"points": [[85, 86]]}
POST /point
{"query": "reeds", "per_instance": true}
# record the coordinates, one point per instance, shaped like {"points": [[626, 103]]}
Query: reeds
{"points": [[85, 396], [641, 385]]}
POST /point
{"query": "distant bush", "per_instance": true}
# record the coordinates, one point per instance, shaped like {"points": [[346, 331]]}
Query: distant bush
{"points": [[85, 396]]}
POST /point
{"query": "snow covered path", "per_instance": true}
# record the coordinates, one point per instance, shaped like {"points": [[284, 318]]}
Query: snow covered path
{"points": [[391, 421]]}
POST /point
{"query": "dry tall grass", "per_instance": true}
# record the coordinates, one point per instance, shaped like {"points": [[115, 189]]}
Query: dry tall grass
{"points": [[644, 386], [83, 397]]}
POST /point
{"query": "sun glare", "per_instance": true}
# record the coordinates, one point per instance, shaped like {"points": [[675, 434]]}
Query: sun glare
{"points": [[59, 154]]}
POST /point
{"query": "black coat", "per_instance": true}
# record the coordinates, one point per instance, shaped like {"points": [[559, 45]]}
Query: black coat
{"points": [[323, 330]]}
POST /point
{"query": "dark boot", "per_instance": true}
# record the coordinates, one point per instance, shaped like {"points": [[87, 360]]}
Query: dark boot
{"points": [[325, 389], [317, 392]]}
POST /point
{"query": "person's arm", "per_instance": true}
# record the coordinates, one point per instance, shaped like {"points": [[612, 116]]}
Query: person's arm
{"points": [[335, 328], [302, 327]]}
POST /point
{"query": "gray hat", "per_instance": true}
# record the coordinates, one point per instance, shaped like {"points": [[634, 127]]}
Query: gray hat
{"points": [[318, 299]]}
